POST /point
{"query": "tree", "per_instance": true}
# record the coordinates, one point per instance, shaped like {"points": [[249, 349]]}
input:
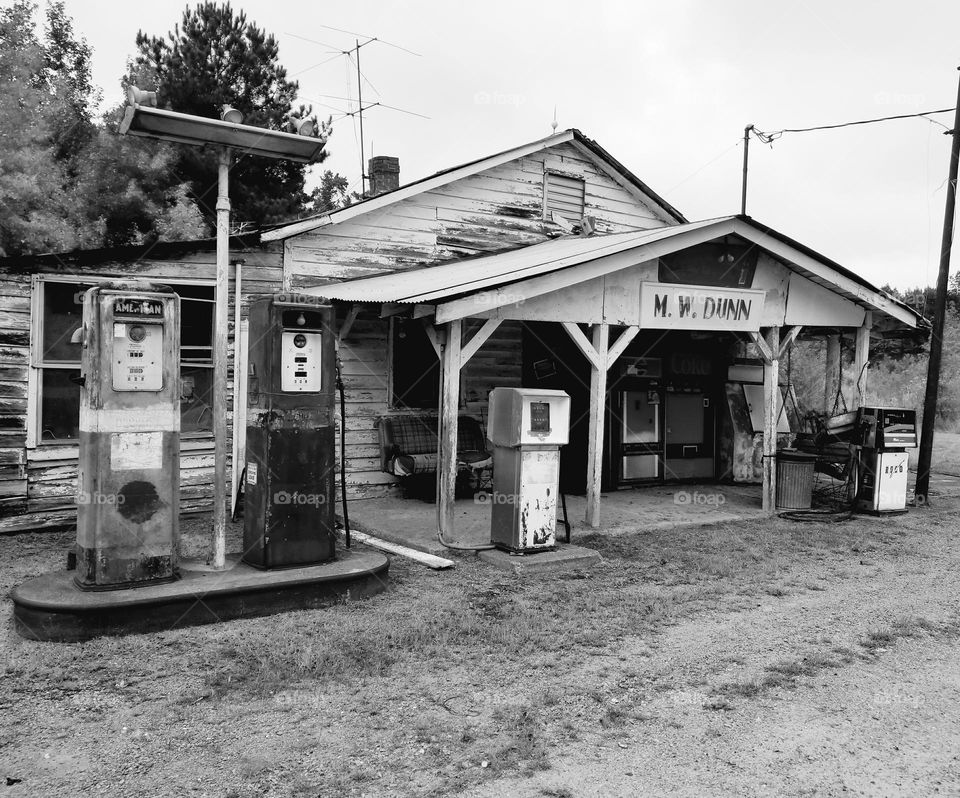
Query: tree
{"points": [[65, 180], [332, 193], [35, 212], [215, 58], [67, 73]]}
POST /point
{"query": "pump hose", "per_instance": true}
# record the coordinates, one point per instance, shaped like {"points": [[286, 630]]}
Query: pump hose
{"points": [[343, 456]]}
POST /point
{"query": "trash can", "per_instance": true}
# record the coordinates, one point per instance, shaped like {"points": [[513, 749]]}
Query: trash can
{"points": [[794, 479]]}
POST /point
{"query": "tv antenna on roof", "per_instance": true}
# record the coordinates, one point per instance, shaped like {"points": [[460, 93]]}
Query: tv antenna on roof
{"points": [[360, 78]]}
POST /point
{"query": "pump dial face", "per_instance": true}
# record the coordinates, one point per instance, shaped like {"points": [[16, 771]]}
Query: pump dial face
{"points": [[300, 340], [137, 332]]}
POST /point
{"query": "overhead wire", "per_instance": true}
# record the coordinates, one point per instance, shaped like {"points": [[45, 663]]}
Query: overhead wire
{"points": [[769, 138]]}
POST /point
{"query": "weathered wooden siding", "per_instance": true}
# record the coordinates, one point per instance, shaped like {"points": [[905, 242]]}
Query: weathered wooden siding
{"points": [[14, 360], [364, 357], [494, 210], [499, 362], [38, 485]]}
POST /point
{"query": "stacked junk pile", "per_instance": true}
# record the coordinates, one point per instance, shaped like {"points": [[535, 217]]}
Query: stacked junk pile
{"points": [[861, 454]]}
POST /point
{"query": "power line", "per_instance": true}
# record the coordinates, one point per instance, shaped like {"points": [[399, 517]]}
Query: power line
{"points": [[768, 138]]}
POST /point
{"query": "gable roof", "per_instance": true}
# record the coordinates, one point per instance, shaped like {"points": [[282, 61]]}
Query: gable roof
{"points": [[453, 287], [598, 154]]}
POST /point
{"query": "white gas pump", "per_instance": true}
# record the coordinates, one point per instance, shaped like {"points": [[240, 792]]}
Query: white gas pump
{"points": [[883, 435], [128, 483], [527, 428]]}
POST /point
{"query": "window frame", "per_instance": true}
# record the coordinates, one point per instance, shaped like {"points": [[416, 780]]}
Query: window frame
{"points": [[391, 372], [37, 364]]}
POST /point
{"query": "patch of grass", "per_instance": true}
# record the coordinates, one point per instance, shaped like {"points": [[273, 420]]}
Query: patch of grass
{"points": [[522, 739]]}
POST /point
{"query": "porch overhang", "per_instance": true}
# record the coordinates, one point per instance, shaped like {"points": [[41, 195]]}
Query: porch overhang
{"points": [[485, 287]]}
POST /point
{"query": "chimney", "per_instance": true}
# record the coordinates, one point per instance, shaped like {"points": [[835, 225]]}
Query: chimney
{"points": [[383, 172]]}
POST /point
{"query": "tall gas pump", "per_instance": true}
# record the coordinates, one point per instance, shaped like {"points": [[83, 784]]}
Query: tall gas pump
{"points": [[290, 457], [882, 436], [527, 428], [128, 484]]}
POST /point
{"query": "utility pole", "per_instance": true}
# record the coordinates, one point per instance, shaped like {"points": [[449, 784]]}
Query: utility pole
{"points": [[746, 150], [922, 489]]}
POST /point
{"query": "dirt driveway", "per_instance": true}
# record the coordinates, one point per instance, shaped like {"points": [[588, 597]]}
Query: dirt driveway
{"points": [[760, 658]]}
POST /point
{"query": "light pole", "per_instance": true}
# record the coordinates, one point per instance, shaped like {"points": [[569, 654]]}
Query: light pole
{"points": [[142, 118]]}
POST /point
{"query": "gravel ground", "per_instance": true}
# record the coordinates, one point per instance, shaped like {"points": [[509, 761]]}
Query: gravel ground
{"points": [[772, 658]]}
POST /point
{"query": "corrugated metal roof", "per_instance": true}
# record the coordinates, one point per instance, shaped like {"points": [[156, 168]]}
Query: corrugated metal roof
{"points": [[448, 280]]}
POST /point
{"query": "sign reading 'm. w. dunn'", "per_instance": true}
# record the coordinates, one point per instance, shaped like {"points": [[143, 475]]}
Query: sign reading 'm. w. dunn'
{"points": [[697, 307]]}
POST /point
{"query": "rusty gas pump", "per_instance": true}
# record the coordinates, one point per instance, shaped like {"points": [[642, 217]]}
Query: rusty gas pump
{"points": [[129, 465], [290, 456]]}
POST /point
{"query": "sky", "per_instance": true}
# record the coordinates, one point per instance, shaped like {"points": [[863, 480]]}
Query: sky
{"points": [[666, 87]]}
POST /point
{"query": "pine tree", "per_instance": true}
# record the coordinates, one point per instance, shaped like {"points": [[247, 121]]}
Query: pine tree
{"points": [[215, 58]]}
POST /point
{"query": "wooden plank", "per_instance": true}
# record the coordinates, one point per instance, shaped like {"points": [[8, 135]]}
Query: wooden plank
{"points": [[598, 393], [450, 411], [42, 520], [348, 323], [478, 339], [621, 344], [13, 487], [434, 336], [765, 351], [430, 560], [788, 340], [574, 331], [832, 368], [771, 393], [861, 363]]}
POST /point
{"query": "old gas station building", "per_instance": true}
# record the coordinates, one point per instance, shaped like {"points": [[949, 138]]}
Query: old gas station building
{"points": [[549, 265]]}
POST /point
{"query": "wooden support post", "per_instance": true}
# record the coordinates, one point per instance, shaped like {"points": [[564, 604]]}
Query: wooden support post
{"points": [[449, 411], [621, 344], [479, 339], [786, 342], [598, 401], [861, 361], [220, 364], [347, 325], [771, 390], [831, 374]]}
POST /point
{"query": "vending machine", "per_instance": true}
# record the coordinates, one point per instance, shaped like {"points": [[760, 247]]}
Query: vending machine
{"points": [[129, 465], [882, 435], [290, 457], [527, 428]]}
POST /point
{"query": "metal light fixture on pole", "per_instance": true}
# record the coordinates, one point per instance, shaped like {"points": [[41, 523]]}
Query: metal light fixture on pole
{"points": [[142, 118]]}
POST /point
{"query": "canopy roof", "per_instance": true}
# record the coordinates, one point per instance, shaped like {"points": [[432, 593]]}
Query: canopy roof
{"points": [[453, 287]]}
